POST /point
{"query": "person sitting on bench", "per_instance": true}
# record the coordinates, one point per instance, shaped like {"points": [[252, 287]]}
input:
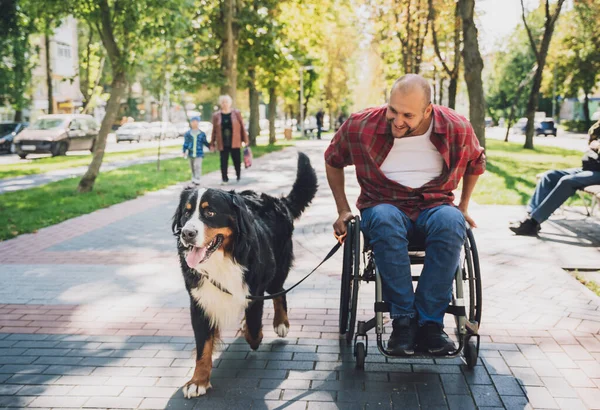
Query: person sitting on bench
{"points": [[556, 186]]}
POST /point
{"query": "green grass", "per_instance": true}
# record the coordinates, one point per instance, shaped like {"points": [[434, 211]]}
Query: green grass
{"points": [[590, 284], [41, 165], [31, 209], [510, 174]]}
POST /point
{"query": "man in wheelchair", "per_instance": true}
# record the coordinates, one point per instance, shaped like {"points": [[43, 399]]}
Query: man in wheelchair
{"points": [[409, 155]]}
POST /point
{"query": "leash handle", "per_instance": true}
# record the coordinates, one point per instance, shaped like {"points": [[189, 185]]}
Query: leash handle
{"points": [[332, 252], [340, 238]]}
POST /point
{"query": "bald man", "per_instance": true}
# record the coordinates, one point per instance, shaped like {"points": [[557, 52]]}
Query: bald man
{"points": [[409, 156]]}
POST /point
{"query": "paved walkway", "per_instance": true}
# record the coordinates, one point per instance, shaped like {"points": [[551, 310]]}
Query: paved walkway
{"points": [[32, 181], [94, 314]]}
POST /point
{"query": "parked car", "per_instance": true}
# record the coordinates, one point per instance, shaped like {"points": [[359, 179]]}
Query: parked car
{"points": [[8, 131], [182, 127], [133, 131], [164, 129], [544, 126], [57, 134]]}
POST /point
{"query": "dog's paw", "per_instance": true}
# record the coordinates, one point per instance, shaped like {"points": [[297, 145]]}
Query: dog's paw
{"points": [[192, 390], [281, 330]]}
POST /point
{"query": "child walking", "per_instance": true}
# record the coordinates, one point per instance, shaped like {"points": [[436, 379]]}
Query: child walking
{"points": [[193, 142]]}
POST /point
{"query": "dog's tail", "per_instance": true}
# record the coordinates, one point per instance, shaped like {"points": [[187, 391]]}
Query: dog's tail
{"points": [[304, 189]]}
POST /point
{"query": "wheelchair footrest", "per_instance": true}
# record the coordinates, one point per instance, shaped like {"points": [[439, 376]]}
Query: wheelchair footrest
{"points": [[382, 307], [456, 310]]}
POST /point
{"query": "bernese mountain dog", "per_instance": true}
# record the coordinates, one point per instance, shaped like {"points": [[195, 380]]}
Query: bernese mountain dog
{"points": [[232, 245]]}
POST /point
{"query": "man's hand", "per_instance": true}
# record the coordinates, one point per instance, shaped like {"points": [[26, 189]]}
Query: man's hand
{"points": [[339, 226], [468, 218]]}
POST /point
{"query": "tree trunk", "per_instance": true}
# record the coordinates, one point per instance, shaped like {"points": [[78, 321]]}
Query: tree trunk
{"points": [[586, 110], [473, 64], [271, 114], [253, 124], [49, 70], [441, 97], [118, 88], [18, 115], [229, 50], [541, 55], [452, 89]]}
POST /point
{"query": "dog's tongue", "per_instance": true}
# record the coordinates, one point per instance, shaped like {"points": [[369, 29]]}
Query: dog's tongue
{"points": [[194, 256]]}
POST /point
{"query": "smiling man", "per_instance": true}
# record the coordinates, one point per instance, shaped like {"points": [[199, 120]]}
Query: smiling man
{"points": [[409, 156]]}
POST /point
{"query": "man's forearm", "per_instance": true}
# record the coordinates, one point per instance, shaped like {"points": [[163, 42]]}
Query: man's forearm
{"points": [[468, 186], [336, 180]]}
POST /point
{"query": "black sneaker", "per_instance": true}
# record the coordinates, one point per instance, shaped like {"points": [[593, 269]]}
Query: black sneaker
{"points": [[529, 227], [434, 340], [402, 340]]}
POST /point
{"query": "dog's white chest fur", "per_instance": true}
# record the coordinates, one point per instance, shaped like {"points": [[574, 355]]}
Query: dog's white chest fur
{"points": [[222, 309]]}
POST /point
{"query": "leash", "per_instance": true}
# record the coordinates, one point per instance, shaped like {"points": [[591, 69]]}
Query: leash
{"points": [[337, 246]]}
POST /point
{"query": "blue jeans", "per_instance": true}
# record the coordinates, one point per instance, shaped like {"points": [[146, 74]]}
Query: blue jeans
{"points": [[556, 187], [443, 230]]}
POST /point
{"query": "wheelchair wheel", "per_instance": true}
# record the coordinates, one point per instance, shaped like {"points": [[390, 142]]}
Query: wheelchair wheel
{"points": [[474, 280], [346, 281], [350, 280], [471, 352], [360, 354], [355, 280]]}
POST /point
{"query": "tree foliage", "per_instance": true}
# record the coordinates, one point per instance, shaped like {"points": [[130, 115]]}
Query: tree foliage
{"points": [[575, 59]]}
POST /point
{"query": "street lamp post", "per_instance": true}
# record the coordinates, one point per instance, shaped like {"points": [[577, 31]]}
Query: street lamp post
{"points": [[302, 69]]}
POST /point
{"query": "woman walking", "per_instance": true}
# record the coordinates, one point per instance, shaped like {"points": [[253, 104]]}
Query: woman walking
{"points": [[228, 134]]}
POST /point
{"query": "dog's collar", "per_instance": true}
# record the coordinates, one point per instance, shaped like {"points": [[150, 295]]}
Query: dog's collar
{"points": [[215, 284]]}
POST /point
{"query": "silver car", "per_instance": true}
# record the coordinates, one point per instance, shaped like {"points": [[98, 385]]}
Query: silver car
{"points": [[57, 134], [132, 131]]}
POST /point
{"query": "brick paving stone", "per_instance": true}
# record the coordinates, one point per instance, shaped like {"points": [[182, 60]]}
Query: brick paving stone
{"points": [[507, 386], [280, 404], [113, 402], [540, 397], [55, 401], [16, 401], [101, 391], [591, 397], [454, 384], [559, 387], [464, 402], [576, 378], [516, 403], [527, 376], [570, 404], [590, 367]]}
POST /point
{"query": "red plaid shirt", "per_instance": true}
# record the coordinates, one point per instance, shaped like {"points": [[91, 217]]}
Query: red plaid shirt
{"points": [[364, 141]]}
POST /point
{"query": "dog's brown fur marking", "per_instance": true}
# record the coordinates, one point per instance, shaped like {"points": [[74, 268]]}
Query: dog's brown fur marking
{"points": [[281, 316], [201, 375], [254, 343]]}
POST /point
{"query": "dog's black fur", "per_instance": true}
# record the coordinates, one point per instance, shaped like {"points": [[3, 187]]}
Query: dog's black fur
{"points": [[253, 231]]}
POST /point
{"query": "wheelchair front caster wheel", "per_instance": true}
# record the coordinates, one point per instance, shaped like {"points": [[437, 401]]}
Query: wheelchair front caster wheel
{"points": [[470, 353], [360, 353]]}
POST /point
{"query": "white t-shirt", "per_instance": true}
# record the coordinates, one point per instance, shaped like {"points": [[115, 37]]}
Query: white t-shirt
{"points": [[413, 161]]}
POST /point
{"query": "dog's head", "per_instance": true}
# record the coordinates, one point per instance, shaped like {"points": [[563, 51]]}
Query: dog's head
{"points": [[211, 220]]}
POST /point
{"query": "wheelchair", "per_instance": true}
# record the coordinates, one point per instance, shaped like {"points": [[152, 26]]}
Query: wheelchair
{"points": [[465, 305]]}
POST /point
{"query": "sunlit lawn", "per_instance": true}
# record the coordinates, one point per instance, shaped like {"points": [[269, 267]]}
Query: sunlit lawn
{"points": [[41, 165], [31, 209], [510, 177]]}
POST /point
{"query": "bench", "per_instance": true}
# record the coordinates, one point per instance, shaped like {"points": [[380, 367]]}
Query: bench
{"points": [[593, 190]]}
